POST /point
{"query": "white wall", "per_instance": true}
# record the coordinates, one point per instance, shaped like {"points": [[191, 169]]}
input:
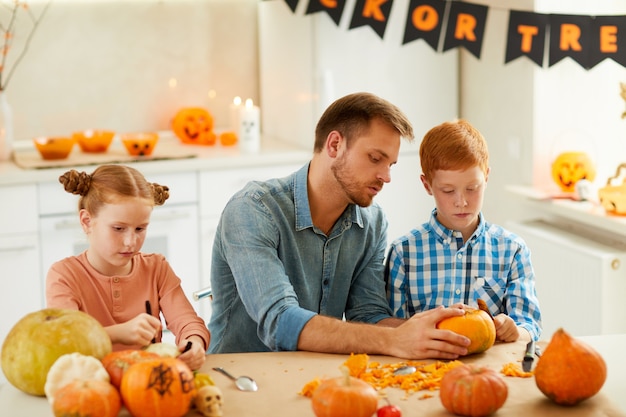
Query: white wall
{"points": [[526, 112], [108, 64]]}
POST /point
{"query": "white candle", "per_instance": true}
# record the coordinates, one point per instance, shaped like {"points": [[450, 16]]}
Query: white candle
{"points": [[249, 132]]}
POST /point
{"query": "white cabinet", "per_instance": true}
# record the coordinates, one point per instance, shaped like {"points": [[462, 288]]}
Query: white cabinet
{"points": [[21, 290]]}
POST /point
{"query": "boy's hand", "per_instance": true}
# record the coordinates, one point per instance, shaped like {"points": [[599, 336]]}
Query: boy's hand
{"points": [[506, 329]]}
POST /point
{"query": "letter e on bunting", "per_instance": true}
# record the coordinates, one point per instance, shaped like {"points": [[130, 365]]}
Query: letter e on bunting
{"points": [[608, 40], [466, 27], [424, 21], [570, 37], [374, 13], [334, 8], [526, 36]]}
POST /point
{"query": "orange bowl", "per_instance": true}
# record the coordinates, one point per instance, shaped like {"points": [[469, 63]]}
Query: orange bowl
{"points": [[94, 141], [140, 144], [57, 147]]}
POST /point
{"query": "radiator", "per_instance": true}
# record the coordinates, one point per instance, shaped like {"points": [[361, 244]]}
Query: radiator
{"points": [[580, 279]]}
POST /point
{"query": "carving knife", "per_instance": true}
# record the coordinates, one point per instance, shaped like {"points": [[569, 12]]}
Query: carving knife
{"points": [[529, 356]]}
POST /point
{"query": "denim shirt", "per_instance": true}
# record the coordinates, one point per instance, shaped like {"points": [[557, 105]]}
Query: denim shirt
{"points": [[272, 270]]}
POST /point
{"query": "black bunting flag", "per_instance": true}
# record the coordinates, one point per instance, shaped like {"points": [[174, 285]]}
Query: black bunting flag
{"points": [[424, 21], [466, 27], [526, 36], [607, 40], [292, 4], [334, 8], [569, 37], [373, 13], [588, 40]]}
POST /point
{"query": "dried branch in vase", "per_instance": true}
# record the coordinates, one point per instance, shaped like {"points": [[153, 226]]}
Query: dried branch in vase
{"points": [[10, 15]]}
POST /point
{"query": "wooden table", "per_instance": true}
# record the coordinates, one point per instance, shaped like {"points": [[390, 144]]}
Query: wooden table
{"points": [[281, 376]]}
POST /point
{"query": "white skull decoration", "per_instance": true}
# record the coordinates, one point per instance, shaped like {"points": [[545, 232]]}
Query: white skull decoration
{"points": [[209, 401]]}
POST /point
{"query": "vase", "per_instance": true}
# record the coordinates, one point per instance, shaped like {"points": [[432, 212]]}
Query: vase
{"points": [[6, 128]]}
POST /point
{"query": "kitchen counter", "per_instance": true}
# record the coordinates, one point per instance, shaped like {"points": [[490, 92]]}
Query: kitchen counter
{"points": [[194, 158], [281, 375]]}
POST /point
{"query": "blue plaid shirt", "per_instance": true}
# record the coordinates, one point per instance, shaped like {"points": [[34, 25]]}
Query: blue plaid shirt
{"points": [[432, 266]]}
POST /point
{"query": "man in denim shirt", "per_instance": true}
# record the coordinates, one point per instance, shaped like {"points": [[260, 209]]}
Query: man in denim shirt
{"points": [[294, 256]]}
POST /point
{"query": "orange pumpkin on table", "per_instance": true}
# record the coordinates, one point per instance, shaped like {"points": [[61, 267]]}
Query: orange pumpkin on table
{"points": [[87, 398], [140, 144], [116, 363], [476, 325], [194, 125], [344, 396], [472, 391], [161, 387], [569, 371]]}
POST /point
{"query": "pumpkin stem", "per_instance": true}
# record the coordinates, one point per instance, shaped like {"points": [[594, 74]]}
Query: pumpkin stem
{"points": [[346, 375]]}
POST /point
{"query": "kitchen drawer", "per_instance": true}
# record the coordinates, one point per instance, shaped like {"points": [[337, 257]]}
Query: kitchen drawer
{"points": [[54, 200], [216, 187], [18, 209]]}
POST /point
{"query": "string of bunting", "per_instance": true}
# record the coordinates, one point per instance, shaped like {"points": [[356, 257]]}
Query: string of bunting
{"points": [[447, 24]]}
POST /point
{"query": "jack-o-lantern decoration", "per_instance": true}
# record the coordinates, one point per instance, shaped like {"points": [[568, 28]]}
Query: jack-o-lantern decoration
{"points": [[570, 167], [194, 125]]}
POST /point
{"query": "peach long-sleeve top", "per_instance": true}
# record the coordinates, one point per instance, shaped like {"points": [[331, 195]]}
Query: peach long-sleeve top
{"points": [[72, 283]]}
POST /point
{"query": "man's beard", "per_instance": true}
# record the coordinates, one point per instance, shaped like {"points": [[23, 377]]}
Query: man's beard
{"points": [[350, 186]]}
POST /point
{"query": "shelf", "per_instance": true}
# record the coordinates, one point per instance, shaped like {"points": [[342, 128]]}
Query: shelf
{"points": [[588, 214]]}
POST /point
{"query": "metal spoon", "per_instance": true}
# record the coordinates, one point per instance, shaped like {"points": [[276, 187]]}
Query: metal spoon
{"points": [[244, 383], [405, 370]]}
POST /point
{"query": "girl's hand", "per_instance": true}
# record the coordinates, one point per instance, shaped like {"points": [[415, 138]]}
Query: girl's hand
{"points": [[195, 356], [136, 331]]}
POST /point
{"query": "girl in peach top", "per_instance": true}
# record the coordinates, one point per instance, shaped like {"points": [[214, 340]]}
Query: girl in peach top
{"points": [[112, 279]]}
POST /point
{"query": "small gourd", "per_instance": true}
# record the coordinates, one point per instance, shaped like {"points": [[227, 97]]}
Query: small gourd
{"points": [[472, 391], [344, 396], [87, 398], [569, 371], [73, 367]]}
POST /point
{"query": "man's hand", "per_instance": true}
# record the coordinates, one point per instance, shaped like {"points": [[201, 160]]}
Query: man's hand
{"points": [[419, 338]]}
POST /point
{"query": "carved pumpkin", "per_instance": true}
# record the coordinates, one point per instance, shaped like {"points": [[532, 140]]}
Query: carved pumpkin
{"points": [[161, 387], [473, 391], [87, 398], [194, 125], [140, 144], [344, 396], [569, 371], [476, 325], [116, 363], [570, 167]]}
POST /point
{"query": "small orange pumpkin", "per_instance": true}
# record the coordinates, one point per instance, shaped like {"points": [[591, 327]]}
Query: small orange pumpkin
{"points": [[570, 167], [194, 125], [87, 398], [344, 396], [476, 325], [228, 138], [140, 144], [116, 363], [569, 371], [161, 387], [472, 391]]}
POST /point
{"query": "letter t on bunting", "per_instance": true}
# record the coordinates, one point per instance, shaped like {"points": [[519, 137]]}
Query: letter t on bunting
{"points": [[334, 8], [526, 36], [373, 13], [466, 27]]}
